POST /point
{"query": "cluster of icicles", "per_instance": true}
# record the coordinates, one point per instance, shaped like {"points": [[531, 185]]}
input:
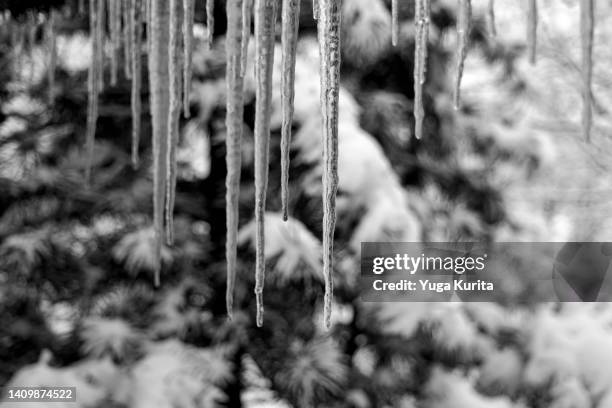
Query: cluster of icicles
{"points": [[167, 27], [168, 30]]}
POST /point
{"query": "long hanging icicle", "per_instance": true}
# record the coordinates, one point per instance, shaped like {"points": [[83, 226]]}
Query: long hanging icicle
{"points": [[135, 40], [247, 12], [100, 31], [265, 18], [421, 13], [234, 124], [93, 82], [394, 22], [188, 13], [289, 38], [159, 85], [114, 27], [52, 49], [329, 51], [175, 70], [587, 29], [491, 29], [128, 27], [315, 9], [532, 30], [463, 35], [210, 21]]}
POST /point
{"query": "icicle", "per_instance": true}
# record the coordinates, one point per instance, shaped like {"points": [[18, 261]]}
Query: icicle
{"points": [[265, 18], [51, 43], [147, 6], [81, 7], [247, 12], [532, 30], [425, 48], [463, 36], [93, 83], [329, 51], [135, 40], [234, 125], [491, 19], [188, 13], [315, 9], [394, 22], [100, 38], [421, 13], [114, 16], [159, 85], [289, 36], [128, 27], [175, 69], [587, 28], [210, 21]]}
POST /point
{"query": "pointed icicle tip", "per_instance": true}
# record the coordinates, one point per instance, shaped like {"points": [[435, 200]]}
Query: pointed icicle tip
{"points": [[463, 35], [289, 38]]}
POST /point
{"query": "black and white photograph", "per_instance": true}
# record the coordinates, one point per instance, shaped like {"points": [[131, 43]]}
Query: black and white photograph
{"points": [[305, 203]]}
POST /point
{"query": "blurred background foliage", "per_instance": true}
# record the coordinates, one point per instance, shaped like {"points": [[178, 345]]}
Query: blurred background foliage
{"points": [[77, 304]]}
